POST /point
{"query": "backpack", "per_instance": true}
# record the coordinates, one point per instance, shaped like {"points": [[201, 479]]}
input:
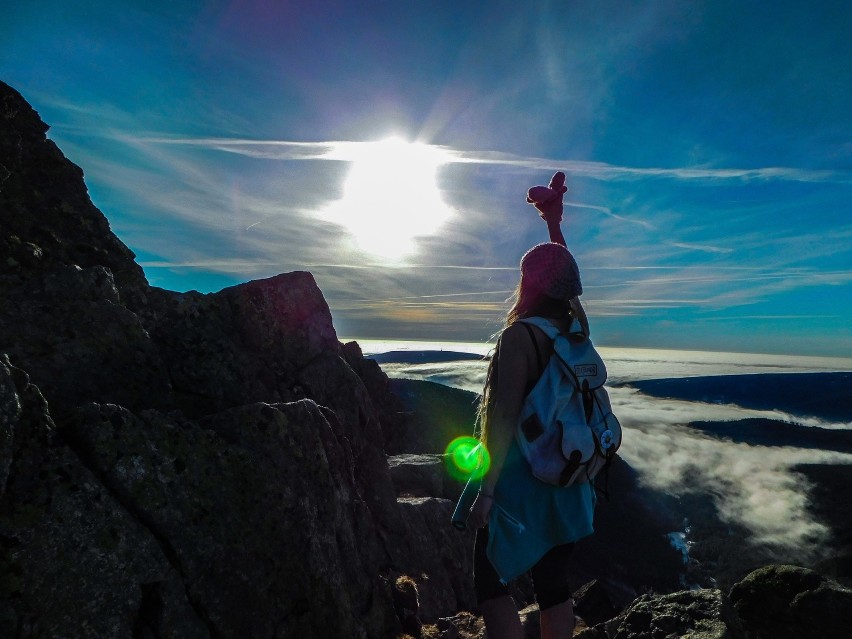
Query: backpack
{"points": [[566, 429]]}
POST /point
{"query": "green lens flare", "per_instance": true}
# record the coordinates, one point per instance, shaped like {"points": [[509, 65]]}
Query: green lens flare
{"points": [[467, 458]]}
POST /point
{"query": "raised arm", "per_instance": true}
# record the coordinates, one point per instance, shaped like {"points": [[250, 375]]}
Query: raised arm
{"points": [[554, 228], [548, 201], [551, 213]]}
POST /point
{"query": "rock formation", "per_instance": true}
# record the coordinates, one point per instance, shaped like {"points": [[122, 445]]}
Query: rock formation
{"points": [[176, 463], [788, 602]]}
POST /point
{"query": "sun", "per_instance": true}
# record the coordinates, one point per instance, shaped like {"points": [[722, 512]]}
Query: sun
{"points": [[390, 196]]}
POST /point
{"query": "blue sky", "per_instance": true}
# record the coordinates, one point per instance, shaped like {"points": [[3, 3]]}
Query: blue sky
{"points": [[708, 147]]}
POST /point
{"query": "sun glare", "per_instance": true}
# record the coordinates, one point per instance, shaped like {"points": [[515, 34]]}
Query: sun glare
{"points": [[391, 196]]}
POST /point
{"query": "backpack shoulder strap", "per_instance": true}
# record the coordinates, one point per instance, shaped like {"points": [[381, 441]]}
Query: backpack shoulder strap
{"points": [[535, 344], [544, 324]]}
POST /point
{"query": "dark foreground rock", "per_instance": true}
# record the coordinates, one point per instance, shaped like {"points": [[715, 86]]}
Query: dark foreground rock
{"points": [[152, 521], [73, 561], [698, 613], [197, 465], [789, 602]]}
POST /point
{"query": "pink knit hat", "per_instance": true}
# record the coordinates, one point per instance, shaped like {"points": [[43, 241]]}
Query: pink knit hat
{"points": [[551, 269]]}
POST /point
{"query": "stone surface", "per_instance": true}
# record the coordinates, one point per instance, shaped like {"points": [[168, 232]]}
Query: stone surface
{"points": [[73, 561], [67, 328], [700, 614], [243, 344], [46, 216], [593, 604], [389, 408], [265, 491], [783, 602], [442, 562]]}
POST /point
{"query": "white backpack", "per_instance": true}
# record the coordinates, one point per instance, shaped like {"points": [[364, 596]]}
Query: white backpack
{"points": [[566, 430]]}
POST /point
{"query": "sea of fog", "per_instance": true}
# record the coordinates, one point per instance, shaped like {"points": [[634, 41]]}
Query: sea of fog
{"points": [[752, 486], [423, 360]]}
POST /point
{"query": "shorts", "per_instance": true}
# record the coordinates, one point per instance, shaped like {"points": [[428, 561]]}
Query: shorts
{"points": [[549, 575]]}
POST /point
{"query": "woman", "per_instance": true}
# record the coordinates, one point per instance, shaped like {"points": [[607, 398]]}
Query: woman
{"points": [[524, 524]]}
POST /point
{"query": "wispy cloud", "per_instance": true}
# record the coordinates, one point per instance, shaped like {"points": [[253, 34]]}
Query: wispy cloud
{"points": [[752, 486], [346, 150], [607, 211], [701, 247], [641, 256]]}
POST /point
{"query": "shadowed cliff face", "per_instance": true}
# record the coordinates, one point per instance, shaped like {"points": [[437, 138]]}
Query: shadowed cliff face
{"points": [[47, 218]]}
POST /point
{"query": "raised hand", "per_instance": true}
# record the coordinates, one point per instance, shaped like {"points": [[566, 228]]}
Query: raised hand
{"points": [[548, 201]]}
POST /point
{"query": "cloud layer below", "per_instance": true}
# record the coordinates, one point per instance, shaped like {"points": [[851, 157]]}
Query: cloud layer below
{"points": [[751, 486]]}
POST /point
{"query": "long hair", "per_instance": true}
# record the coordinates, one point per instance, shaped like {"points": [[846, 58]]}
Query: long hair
{"points": [[526, 301]]}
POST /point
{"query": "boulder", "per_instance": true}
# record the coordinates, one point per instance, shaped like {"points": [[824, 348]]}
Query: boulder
{"points": [[389, 408], [69, 330], [243, 344], [593, 604], [256, 512], [442, 562], [705, 614], [73, 561], [781, 601]]}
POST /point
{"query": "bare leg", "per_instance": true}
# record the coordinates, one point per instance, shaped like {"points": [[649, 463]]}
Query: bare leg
{"points": [[501, 618], [558, 622]]}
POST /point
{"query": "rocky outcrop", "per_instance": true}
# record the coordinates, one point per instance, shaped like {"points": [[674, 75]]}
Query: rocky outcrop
{"points": [[699, 613], [48, 220], [230, 500], [423, 476], [773, 602], [443, 560], [199, 465], [73, 561], [782, 602], [69, 330]]}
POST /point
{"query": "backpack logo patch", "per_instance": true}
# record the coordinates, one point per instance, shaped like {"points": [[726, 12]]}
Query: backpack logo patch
{"points": [[585, 370]]}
